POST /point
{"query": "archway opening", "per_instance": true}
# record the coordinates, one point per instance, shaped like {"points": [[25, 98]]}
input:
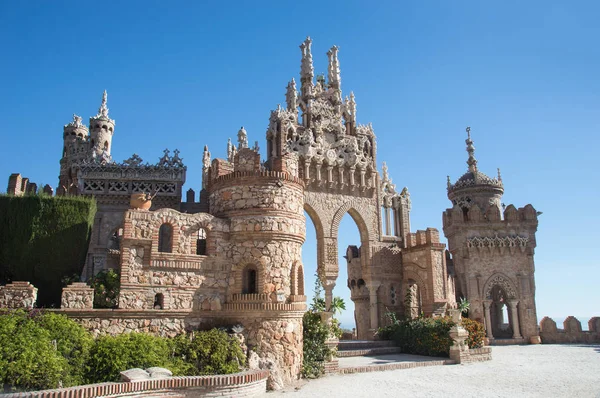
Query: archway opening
{"points": [[502, 325]]}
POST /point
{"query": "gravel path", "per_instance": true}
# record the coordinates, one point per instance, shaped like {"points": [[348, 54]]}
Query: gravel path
{"points": [[515, 371]]}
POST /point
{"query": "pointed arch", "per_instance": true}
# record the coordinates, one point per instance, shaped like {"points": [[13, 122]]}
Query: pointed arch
{"points": [[500, 279], [355, 210]]}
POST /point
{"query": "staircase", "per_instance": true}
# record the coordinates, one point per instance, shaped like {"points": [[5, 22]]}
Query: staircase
{"points": [[357, 356]]}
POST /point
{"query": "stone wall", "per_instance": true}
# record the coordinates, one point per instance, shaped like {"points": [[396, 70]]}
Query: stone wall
{"points": [[18, 295], [245, 384], [571, 332], [77, 296]]}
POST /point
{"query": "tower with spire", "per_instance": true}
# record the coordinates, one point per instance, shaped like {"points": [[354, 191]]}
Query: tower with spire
{"points": [[492, 248], [101, 130]]}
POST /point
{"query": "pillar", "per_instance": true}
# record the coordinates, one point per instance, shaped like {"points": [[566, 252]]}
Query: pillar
{"points": [[373, 286], [514, 314], [488, 319]]}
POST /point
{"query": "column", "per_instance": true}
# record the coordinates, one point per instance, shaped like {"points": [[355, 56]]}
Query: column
{"points": [[514, 313], [488, 319], [388, 228], [373, 286], [328, 286]]}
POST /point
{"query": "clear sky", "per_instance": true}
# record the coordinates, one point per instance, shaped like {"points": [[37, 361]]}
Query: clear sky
{"points": [[523, 75]]}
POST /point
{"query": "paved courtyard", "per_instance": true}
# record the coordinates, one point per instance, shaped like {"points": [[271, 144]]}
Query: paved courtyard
{"points": [[515, 371]]}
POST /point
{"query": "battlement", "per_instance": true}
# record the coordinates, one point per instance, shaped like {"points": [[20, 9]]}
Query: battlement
{"points": [[431, 236], [474, 215], [571, 332]]}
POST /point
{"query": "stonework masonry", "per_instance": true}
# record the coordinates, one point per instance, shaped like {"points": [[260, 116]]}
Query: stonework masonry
{"points": [[232, 254]]}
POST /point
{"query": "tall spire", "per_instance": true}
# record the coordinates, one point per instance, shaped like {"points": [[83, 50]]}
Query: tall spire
{"points": [[291, 96], [307, 71], [103, 110], [333, 68], [472, 162]]}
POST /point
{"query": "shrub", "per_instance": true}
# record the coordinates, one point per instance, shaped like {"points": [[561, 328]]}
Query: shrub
{"points": [[208, 352], [111, 355], [315, 334], [28, 357], [476, 332], [430, 336], [42, 239], [106, 284], [73, 343]]}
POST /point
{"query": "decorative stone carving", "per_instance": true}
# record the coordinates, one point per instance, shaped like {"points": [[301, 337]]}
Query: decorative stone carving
{"points": [[487, 245], [504, 283]]}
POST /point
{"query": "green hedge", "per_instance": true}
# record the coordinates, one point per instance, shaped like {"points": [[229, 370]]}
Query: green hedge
{"points": [[43, 239], [44, 350], [430, 336]]}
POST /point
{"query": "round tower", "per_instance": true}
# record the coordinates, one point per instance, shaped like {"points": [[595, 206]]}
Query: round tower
{"points": [[101, 131], [474, 187], [267, 230], [75, 147]]}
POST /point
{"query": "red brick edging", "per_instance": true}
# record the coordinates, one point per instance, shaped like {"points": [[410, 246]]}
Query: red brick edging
{"points": [[248, 383]]}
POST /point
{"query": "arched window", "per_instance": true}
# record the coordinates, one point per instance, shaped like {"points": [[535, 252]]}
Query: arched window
{"points": [[106, 145], [250, 280], [159, 301], [165, 238], [201, 242]]}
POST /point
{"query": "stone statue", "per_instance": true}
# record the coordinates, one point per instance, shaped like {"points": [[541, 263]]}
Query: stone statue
{"points": [[229, 151], [242, 138], [76, 120], [206, 158]]}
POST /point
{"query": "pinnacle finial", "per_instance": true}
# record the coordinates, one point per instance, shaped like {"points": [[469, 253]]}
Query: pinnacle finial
{"points": [[103, 110], [307, 71], [333, 68], [472, 162], [499, 175], [242, 138], [448, 183]]}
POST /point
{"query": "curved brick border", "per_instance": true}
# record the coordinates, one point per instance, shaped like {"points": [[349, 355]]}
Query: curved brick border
{"points": [[248, 384]]}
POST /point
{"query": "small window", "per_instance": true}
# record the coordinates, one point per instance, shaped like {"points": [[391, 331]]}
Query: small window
{"points": [[106, 145], [201, 242], [159, 301], [165, 238], [250, 280]]}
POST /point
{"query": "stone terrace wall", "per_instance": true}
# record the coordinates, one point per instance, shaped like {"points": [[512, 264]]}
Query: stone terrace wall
{"points": [[571, 333], [245, 384], [18, 295]]}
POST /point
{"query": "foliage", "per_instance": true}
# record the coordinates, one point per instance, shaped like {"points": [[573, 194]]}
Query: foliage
{"points": [[429, 336], [316, 332], [316, 351], [73, 343], [111, 355], [106, 284], [208, 352], [42, 239], [476, 332], [41, 350], [464, 305]]}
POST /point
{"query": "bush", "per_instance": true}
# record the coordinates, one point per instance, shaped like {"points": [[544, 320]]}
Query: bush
{"points": [[28, 358], [111, 355], [315, 334], [106, 284], [430, 336], [73, 343], [42, 239], [476, 332], [208, 352]]}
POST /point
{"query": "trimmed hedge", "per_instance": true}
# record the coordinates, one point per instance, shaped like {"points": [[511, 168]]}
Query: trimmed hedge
{"points": [[44, 350], [43, 239], [430, 336]]}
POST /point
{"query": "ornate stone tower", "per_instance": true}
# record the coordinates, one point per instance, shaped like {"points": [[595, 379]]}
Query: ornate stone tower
{"points": [[75, 149], [101, 131], [492, 254]]}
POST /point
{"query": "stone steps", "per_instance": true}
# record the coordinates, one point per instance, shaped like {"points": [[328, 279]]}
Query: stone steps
{"points": [[349, 345], [368, 352]]}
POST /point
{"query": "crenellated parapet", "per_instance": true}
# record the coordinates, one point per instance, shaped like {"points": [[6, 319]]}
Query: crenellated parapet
{"points": [[571, 331]]}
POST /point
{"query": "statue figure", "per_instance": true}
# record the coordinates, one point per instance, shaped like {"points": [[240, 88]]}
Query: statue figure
{"points": [[385, 176], [242, 138], [229, 151], [206, 158], [76, 120]]}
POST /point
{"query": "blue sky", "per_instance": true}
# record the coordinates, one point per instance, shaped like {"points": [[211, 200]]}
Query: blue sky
{"points": [[523, 75]]}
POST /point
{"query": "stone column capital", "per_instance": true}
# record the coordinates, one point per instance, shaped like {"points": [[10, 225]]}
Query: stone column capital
{"points": [[512, 302], [487, 304], [373, 286]]}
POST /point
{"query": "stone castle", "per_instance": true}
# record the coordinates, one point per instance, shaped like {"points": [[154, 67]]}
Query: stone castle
{"points": [[233, 255]]}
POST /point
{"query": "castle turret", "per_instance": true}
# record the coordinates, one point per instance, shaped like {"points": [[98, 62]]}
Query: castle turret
{"points": [[101, 131], [492, 253], [75, 148], [474, 187]]}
